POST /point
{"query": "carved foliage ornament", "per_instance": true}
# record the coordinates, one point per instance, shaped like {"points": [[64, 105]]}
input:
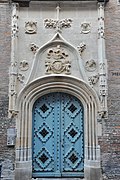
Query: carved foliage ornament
{"points": [[51, 23], [24, 65], [57, 61], [81, 47], [30, 27], [93, 79], [34, 47], [14, 21]]}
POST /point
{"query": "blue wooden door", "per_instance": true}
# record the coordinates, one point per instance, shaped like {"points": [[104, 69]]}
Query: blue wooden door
{"points": [[58, 139]]}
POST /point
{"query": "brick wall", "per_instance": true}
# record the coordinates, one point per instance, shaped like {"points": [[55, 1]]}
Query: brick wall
{"points": [[110, 142], [6, 153]]}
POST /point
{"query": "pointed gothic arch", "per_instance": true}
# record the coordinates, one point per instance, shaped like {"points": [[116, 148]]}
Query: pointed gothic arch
{"points": [[57, 83]]}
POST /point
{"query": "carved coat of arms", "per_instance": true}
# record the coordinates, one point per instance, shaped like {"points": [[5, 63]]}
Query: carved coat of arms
{"points": [[57, 61]]}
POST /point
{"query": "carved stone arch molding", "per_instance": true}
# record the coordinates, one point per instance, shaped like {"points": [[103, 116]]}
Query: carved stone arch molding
{"points": [[57, 56], [25, 101]]}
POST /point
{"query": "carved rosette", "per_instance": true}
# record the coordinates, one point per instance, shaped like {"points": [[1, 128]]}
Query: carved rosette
{"points": [[85, 28], [90, 65], [57, 61], [30, 27]]}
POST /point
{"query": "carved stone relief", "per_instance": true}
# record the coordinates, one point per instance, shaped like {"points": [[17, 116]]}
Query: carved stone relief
{"points": [[33, 47], [24, 65], [59, 24], [30, 27], [81, 48], [85, 28], [90, 65], [93, 79], [57, 61]]}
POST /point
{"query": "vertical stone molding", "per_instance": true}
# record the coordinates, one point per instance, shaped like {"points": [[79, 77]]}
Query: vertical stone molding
{"points": [[102, 63], [13, 67]]}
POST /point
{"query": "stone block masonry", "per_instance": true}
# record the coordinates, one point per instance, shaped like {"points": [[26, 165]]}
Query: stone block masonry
{"points": [[6, 153]]}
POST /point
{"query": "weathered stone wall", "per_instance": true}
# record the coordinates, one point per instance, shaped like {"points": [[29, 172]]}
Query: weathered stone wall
{"points": [[110, 142], [6, 153]]}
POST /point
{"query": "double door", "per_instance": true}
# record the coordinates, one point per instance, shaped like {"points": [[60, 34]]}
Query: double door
{"points": [[58, 138]]}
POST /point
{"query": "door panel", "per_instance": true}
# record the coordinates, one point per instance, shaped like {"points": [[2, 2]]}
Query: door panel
{"points": [[58, 136]]}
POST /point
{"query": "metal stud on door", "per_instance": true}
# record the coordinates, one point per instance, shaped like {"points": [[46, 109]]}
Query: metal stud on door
{"points": [[58, 136]]}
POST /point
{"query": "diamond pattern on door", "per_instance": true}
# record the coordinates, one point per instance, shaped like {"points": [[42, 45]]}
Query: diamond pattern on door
{"points": [[73, 108], [73, 158], [44, 109], [72, 132], [58, 148], [43, 158], [44, 132]]}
